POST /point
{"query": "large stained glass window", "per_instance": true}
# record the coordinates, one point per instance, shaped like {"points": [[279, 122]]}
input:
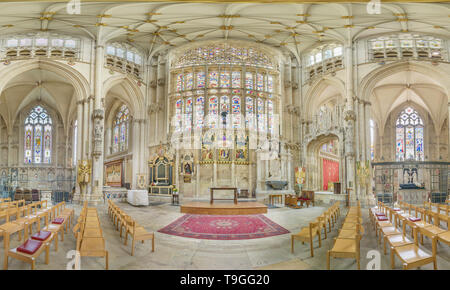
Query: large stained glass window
{"points": [[189, 81], [188, 114], [120, 130], [199, 113], [38, 137], [213, 79], [213, 112], [236, 111], [225, 79], [200, 80], [409, 136], [225, 111], [178, 114], [249, 81], [180, 82], [249, 113], [236, 79]]}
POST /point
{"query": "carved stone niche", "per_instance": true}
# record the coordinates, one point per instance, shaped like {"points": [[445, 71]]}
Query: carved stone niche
{"points": [[161, 82]]}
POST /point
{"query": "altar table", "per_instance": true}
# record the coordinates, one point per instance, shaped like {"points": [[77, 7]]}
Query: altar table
{"points": [[137, 197]]}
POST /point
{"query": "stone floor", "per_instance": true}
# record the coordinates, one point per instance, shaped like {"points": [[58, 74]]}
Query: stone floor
{"points": [[172, 252]]}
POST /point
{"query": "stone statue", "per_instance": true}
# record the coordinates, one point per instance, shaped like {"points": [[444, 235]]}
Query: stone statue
{"points": [[84, 176]]}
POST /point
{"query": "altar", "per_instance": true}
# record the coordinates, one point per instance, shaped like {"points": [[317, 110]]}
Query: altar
{"points": [[137, 197], [328, 197]]}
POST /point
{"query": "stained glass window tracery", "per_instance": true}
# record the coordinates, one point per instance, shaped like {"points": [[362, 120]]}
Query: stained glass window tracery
{"points": [[38, 137], [120, 131], [409, 136]]}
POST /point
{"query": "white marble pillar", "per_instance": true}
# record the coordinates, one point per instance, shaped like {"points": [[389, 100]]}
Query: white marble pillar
{"points": [[258, 170], [350, 122], [362, 133], [160, 97], [448, 145], [136, 155], [86, 129], [98, 124], [367, 129]]}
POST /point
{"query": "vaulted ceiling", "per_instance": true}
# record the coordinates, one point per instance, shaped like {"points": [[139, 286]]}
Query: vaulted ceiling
{"points": [[406, 87], [158, 26]]}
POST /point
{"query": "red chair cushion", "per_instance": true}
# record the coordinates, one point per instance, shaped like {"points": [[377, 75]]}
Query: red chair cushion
{"points": [[30, 247], [58, 221], [382, 218], [379, 214], [41, 236], [396, 209], [414, 219]]}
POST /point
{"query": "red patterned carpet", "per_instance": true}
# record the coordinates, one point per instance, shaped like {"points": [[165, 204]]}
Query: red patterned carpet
{"points": [[223, 227]]}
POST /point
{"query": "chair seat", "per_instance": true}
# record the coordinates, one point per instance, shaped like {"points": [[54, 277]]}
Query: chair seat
{"points": [[384, 224], [52, 227], [411, 253], [29, 247], [434, 230], [10, 227], [347, 234], [398, 240], [304, 232], [344, 246], [387, 231], [414, 219], [422, 224], [445, 237], [41, 235]]}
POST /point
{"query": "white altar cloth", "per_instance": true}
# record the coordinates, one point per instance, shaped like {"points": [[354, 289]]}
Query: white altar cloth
{"points": [[137, 197]]}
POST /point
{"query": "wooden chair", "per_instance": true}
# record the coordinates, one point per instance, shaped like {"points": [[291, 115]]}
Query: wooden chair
{"points": [[55, 227], [307, 234], [345, 248], [29, 251], [89, 245], [137, 233], [412, 256]]}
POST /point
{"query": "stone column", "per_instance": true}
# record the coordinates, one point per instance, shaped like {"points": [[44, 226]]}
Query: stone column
{"points": [[79, 155], [98, 123], [350, 118], [362, 130], [448, 128], [136, 153], [86, 129], [108, 137], [160, 98]]}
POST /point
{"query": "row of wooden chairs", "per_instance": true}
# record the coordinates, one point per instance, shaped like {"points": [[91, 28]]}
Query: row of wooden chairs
{"points": [[6, 199], [89, 235], [347, 243], [308, 233], [430, 224], [35, 244], [127, 225], [386, 221]]}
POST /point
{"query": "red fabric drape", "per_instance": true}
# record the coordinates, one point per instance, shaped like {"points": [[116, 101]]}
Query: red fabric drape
{"points": [[330, 172]]}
